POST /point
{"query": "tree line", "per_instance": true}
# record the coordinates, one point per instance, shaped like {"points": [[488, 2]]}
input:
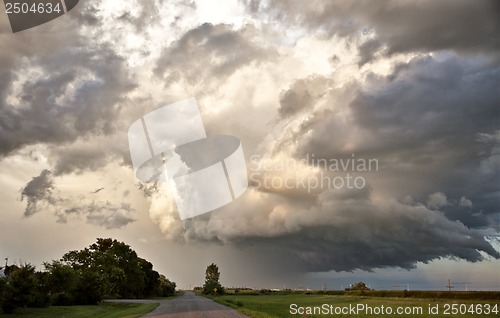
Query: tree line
{"points": [[105, 269]]}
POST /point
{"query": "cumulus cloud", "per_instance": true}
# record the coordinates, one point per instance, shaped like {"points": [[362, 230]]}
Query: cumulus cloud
{"points": [[414, 88]]}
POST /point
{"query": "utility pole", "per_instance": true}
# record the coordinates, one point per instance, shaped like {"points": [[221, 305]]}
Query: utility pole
{"points": [[449, 285]]}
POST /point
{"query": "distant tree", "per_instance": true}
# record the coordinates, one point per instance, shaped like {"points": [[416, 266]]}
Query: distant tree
{"points": [[358, 286], [212, 284], [10, 269], [167, 288]]}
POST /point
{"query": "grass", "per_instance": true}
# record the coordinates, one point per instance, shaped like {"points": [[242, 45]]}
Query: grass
{"points": [[276, 305], [104, 310]]}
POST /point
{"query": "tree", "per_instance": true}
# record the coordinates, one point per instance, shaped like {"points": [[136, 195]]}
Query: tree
{"points": [[359, 286], [167, 288], [116, 271], [23, 287], [212, 285], [62, 281], [116, 263], [105, 268]]}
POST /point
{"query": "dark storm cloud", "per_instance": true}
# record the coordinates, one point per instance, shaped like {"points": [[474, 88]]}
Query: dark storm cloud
{"points": [[423, 121], [209, 52], [71, 101], [42, 196], [433, 127], [316, 251], [39, 189], [371, 238], [343, 231], [58, 88], [470, 26], [430, 116]]}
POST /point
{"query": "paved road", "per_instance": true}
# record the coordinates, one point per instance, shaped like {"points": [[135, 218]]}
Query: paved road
{"points": [[189, 305]]}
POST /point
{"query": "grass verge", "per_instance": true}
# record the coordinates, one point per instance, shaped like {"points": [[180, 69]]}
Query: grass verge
{"points": [[104, 310], [267, 306]]}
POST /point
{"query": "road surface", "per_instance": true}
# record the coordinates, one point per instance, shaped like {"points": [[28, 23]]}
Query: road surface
{"points": [[189, 305]]}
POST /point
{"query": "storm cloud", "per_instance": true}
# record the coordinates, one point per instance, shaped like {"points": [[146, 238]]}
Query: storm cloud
{"points": [[412, 85], [430, 124], [394, 26], [73, 102]]}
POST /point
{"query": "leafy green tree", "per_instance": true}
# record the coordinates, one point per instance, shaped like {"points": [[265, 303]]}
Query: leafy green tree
{"points": [[167, 288], [22, 288], [62, 282], [151, 279], [116, 269], [89, 288], [212, 284], [115, 262], [3, 287], [107, 268]]}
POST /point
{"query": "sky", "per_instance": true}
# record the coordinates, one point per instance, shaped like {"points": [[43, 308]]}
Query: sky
{"points": [[371, 134]]}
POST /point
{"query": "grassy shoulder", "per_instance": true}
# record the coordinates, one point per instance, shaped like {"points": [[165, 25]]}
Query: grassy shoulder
{"points": [[259, 305], [104, 310]]}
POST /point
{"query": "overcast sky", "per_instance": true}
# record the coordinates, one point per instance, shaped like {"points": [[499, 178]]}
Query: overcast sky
{"points": [[411, 85]]}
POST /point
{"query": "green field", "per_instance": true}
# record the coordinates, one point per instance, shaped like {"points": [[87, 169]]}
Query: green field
{"points": [[264, 306], [104, 310]]}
